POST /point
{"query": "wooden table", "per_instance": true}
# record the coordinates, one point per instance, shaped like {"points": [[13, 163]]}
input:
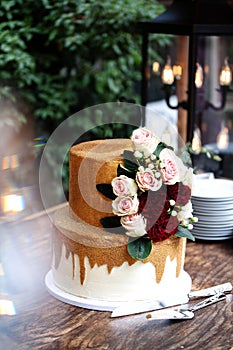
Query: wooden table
{"points": [[43, 322]]}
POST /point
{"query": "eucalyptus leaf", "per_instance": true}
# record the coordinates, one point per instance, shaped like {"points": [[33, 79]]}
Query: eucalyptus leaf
{"points": [[106, 190], [185, 233], [140, 248], [160, 147], [112, 224], [130, 161], [110, 221], [123, 171]]}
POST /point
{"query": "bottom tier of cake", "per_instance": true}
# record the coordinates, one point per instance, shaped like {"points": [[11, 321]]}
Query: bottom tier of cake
{"points": [[91, 263]]}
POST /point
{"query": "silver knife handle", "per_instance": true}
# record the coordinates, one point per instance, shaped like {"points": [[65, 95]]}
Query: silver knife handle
{"points": [[220, 288], [206, 302]]}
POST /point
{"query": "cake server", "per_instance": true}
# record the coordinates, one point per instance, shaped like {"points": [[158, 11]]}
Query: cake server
{"points": [[184, 312], [220, 288], [139, 307]]}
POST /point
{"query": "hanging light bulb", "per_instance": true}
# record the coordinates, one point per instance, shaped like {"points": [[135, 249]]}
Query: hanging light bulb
{"points": [[196, 141], [199, 76], [225, 77], [155, 67], [167, 73], [177, 71], [223, 138]]}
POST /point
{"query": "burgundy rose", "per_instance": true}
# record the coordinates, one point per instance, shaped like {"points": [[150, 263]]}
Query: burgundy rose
{"points": [[154, 207], [151, 204], [163, 228], [179, 193]]}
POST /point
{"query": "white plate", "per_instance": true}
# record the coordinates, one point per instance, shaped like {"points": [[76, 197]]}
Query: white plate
{"points": [[214, 230], [213, 188], [213, 204], [212, 234], [212, 201], [216, 226], [220, 206], [223, 201], [202, 234], [214, 210], [211, 238], [213, 221], [214, 218]]}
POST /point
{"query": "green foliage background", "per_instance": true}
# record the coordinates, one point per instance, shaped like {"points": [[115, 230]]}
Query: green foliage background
{"points": [[62, 56], [59, 57]]}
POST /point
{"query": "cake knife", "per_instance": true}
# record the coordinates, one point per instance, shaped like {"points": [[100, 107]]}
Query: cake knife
{"points": [[183, 312], [139, 307]]}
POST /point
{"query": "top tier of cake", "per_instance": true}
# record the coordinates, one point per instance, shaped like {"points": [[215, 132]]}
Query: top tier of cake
{"points": [[92, 163]]}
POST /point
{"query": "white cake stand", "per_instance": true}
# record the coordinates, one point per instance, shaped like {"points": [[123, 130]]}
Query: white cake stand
{"points": [[102, 305]]}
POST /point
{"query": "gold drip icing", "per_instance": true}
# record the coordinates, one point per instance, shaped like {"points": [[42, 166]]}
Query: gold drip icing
{"points": [[173, 248], [115, 255], [112, 257], [73, 265]]}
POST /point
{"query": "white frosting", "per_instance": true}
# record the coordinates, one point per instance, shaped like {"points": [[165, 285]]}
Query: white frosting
{"points": [[124, 283]]}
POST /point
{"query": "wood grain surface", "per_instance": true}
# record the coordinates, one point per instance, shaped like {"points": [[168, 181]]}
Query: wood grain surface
{"points": [[43, 322]]}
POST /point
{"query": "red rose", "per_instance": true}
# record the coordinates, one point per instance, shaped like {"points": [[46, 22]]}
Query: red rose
{"points": [[164, 227], [180, 193], [154, 207], [151, 204]]}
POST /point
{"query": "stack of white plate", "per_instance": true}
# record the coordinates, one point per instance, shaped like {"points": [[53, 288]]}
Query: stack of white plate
{"points": [[212, 201]]}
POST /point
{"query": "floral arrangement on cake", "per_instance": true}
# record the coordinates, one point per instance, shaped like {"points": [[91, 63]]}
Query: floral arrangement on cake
{"points": [[150, 195]]}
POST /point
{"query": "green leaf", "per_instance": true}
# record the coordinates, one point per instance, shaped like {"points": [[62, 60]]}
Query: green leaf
{"points": [[140, 248], [160, 147], [110, 221], [106, 190], [130, 161], [185, 233], [123, 171], [112, 224], [217, 158]]}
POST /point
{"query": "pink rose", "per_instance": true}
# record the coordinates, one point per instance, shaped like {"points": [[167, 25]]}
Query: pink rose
{"points": [[146, 180], [169, 167], [144, 141], [125, 205], [124, 186], [134, 224]]}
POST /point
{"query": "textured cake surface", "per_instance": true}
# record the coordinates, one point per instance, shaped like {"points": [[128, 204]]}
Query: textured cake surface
{"points": [[93, 163]]}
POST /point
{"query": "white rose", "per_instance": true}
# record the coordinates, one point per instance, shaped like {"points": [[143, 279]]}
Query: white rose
{"points": [[125, 205], [144, 141], [185, 212], [188, 177], [146, 180], [134, 224], [124, 186]]}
